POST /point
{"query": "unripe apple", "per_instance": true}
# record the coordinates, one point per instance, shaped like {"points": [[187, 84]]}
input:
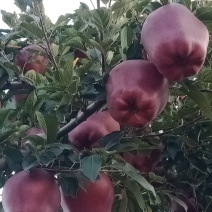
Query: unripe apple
{"points": [[29, 60], [175, 41], [30, 191], [34, 131], [142, 162], [98, 197], [136, 93], [90, 131]]}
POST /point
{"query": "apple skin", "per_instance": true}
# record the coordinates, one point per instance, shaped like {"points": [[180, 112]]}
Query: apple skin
{"points": [[142, 162], [32, 61], [99, 197], [136, 93], [175, 41], [90, 131], [175, 207], [34, 131], [30, 191]]}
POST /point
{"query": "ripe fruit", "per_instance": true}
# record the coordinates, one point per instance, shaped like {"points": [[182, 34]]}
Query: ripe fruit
{"points": [[98, 197], [175, 207], [90, 131], [29, 60], [175, 41], [144, 163], [136, 93], [29, 191]]}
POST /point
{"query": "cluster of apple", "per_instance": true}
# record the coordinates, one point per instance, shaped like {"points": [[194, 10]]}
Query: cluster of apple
{"points": [[137, 92], [37, 190]]}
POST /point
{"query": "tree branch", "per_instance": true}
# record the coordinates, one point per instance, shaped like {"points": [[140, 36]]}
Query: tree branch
{"points": [[81, 117], [17, 86], [5, 30], [98, 4], [46, 38], [173, 129]]}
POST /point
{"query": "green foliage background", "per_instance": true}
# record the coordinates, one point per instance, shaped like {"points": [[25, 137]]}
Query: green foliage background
{"points": [[107, 36]]}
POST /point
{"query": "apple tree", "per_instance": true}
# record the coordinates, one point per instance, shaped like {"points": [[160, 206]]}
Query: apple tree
{"points": [[107, 110]]}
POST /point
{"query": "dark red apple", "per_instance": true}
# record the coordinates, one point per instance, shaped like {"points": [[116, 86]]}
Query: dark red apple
{"points": [[136, 93], [142, 162], [30, 191], [175, 41], [98, 197], [29, 60], [90, 131]]}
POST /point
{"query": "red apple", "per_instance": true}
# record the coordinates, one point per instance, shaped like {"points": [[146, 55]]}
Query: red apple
{"points": [[175, 41], [98, 197], [29, 60], [90, 131], [29, 191], [144, 163], [136, 93]]}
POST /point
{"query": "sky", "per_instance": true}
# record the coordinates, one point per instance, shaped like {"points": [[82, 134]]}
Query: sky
{"points": [[53, 8]]}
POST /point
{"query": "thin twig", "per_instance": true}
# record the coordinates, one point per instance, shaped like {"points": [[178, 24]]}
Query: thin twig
{"points": [[109, 5], [43, 27], [173, 129], [92, 4], [81, 117], [98, 4]]}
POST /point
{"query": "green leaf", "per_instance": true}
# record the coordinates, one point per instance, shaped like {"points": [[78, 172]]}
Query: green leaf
{"points": [[9, 18], [127, 37], [5, 135], [32, 29], [205, 15], [101, 18], [21, 4], [3, 116], [111, 141], [179, 201], [105, 1], [197, 96], [51, 123], [91, 166], [14, 158], [29, 162], [186, 3], [69, 186], [41, 121], [121, 7], [123, 202], [135, 175], [205, 75], [198, 163], [134, 188]]}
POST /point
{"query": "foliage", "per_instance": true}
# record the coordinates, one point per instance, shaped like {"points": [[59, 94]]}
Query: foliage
{"points": [[106, 36]]}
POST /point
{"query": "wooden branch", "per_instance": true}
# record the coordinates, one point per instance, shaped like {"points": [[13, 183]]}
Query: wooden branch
{"points": [[81, 117]]}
